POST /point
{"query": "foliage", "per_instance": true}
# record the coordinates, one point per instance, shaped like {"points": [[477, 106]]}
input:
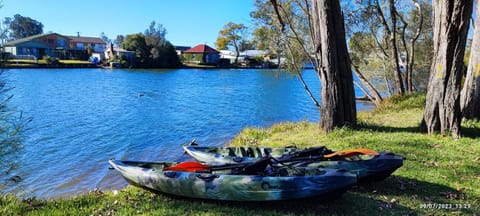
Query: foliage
{"points": [[12, 126], [105, 38], [373, 55], [152, 50], [21, 27], [119, 40], [232, 35], [437, 170]]}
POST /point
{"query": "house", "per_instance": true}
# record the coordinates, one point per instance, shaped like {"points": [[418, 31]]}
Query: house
{"points": [[81, 43], [55, 45], [201, 54], [181, 49], [40, 45], [111, 52]]}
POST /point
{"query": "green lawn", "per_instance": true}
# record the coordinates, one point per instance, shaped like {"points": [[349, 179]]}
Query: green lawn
{"points": [[441, 176], [28, 62]]}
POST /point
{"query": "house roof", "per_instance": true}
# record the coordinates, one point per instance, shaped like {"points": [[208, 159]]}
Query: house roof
{"points": [[94, 40], [182, 48], [201, 48], [26, 39]]}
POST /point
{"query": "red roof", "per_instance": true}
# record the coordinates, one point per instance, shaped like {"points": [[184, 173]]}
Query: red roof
{"points": [[202, 48]]}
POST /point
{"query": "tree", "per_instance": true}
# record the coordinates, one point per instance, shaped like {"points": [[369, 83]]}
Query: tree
{"points": [[119, 40], [105, 38], [22, 27], [152, 50], [333, 60], [231, 35], [326, 48], [442, 110], [137, 43], [470, 95], [398, 27], [267, 35]]}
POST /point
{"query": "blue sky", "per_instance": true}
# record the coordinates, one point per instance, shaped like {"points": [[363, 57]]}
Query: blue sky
{"points": [[188, 22]]}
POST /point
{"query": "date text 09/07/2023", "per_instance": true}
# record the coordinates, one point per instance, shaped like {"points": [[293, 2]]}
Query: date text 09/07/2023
{"points": [[445, 206]]}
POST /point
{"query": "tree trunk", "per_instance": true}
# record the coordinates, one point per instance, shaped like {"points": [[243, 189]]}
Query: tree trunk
{"points": [[410, 62], [470, 96], [393, 42], [372, 93], [442, 110], [394, 57], [334, 66]]}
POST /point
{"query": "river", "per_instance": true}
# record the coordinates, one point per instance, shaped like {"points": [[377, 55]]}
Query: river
{"points": [[83, 117]]}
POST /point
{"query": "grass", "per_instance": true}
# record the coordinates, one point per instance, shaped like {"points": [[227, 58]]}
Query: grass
{"points": [[29, 62], [439, 171]]}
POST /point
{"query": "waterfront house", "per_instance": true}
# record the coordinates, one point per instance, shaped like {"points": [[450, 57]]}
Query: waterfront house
{"points": [[52, 44], [111, 52], [201, 54], [55, 45], [181, 49]]}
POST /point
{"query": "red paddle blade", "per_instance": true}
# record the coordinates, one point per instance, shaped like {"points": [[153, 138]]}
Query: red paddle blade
{"points": [[351, 153], [189, 166]]}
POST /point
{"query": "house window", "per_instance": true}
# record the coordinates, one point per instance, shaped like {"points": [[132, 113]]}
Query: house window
{"points": [[50, 41], [80, 46], [193, 56], [61, 43]]}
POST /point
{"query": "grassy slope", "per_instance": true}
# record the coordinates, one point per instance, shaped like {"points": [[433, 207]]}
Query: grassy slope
{"points": [[438, 170]]}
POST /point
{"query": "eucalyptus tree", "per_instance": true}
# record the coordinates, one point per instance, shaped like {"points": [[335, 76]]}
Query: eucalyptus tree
{"points": [[442, 110], [21, 27], [232, 34], [395, 38], [320, 39], [470, 95]]}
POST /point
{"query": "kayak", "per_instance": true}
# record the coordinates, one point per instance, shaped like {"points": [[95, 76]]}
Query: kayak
{"points": [[367, 164], [227, 182]]}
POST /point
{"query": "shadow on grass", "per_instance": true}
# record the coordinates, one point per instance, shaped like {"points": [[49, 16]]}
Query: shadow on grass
{"points": [[383, 128], [471, 132], [395, 195]]}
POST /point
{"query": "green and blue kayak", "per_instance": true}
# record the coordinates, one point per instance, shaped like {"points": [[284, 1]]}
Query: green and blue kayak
{"points": [[367, 164], [236, 182]]}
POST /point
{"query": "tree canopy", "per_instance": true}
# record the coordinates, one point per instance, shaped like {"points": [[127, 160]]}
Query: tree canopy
{"points": [[232, 34], [21, 27], [151, 49]]}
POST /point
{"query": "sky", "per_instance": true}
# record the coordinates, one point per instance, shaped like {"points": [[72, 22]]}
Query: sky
{"points": [[188, 22]]}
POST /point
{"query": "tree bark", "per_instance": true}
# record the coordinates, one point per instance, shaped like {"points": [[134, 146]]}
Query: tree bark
{"points": [[470, 95], [442, 110], [334, 68]]}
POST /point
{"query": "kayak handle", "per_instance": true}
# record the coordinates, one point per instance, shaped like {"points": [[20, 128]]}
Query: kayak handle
{"points": [[207, 177]]}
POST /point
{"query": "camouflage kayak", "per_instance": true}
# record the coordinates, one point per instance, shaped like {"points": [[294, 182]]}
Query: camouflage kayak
{"points": [[224, 184], [367, 164]]}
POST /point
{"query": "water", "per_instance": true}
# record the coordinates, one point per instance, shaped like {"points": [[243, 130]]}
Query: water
{"points": [[83, 117]]}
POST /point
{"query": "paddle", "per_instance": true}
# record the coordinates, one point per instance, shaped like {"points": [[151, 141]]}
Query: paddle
{"points": [[193, 166]]}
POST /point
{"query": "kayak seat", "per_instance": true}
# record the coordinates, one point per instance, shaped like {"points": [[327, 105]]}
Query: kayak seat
{"points": [[267, 151], [250, 152], [243, 151], [259, 152], [231, 152]]}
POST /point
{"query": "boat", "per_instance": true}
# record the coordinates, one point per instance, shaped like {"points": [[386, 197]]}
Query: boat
{"points": [[369, 165], [236, 182]]}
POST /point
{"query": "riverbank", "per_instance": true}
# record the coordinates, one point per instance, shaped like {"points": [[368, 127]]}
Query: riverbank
{"points": [[440, 175]]}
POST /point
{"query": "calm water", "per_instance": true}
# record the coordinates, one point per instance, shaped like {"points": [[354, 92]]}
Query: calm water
{"points": [[83, 117]]}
